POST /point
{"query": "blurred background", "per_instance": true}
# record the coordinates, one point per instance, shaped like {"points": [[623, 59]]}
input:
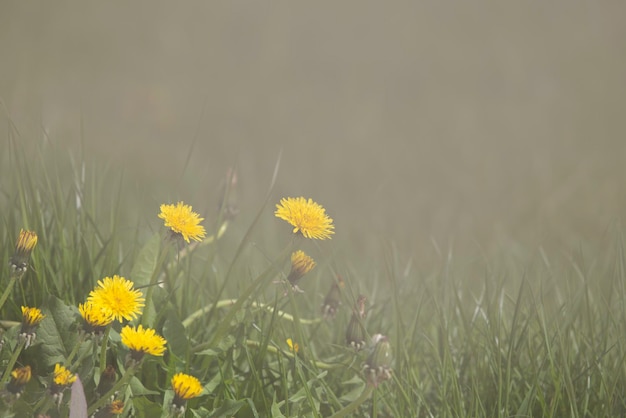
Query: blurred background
{"points": [[426, 124]]}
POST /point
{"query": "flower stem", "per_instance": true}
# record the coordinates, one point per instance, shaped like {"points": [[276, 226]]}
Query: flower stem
{"points": [[11, 363], [258, 283], [79, 342], [103, 350], [275, 350], [229, 302], [130, 372], [149, 306], [43, 405], [356, 403], [8, 290]]}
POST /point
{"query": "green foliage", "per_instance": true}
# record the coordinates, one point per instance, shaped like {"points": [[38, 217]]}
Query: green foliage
{"points": [[528, 334]]}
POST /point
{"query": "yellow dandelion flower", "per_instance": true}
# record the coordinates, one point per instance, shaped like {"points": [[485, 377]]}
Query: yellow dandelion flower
{"points": [[307, 217], [19, 378], [301, 264], [185, 386], [96, 318], [293, 347], [116, 297], [26, 241], [182, 220], [31, 317], [142, 341], [62, 376], [61, 379]]}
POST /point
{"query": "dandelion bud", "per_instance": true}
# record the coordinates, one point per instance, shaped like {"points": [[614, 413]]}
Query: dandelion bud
{"points": [[107, 380], [19, 378], [24, 246], [293, 347], [333, 299], [301, 264], [377, 367], [355, 334]]}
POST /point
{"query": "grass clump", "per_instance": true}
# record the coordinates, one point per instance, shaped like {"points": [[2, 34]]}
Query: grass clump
{"points": [[117, 312]]}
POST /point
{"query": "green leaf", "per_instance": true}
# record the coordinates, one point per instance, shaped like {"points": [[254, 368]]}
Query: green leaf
{"points": [[138, 388], [142, 272], [276, 409], [228, 409], [57, 332], [200, 413], [226, 343], [146, 409], [145, 264], [174, 333]]}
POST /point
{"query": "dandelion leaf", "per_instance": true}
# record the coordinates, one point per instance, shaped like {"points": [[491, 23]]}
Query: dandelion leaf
{"points": [[58, 330]]}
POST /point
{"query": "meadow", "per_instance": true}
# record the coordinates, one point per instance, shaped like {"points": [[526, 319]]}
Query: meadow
{"points": [[258, 330]]}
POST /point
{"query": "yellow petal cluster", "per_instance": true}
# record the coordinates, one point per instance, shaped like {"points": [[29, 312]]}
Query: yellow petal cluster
{"points": [[301, 264], [95, 316], [307, 217], [145, 341], [182, 220], [116, 297], [116, 407], [19, 378], [26, 241], [293, 347], [31, 317], [62, 376], [186, 386], [21, 375]]}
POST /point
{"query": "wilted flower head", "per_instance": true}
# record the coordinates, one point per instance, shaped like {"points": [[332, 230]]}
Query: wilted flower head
{"points": [[142, 341], [61, 379], [333, 298], [185, 387], [23, 247], [301, 264], [107, 380], [116, 297], [377, 367], [19, 378], [96, 318], [307, 217], [116, 407], [31, 318], [183, 221], [355, 333]]}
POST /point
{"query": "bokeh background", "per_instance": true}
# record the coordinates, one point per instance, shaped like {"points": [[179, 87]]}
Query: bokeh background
{"points": [[431, 125]]}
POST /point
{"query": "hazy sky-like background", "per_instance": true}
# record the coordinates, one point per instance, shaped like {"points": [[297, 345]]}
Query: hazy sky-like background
{"points": [[472, 123]]}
